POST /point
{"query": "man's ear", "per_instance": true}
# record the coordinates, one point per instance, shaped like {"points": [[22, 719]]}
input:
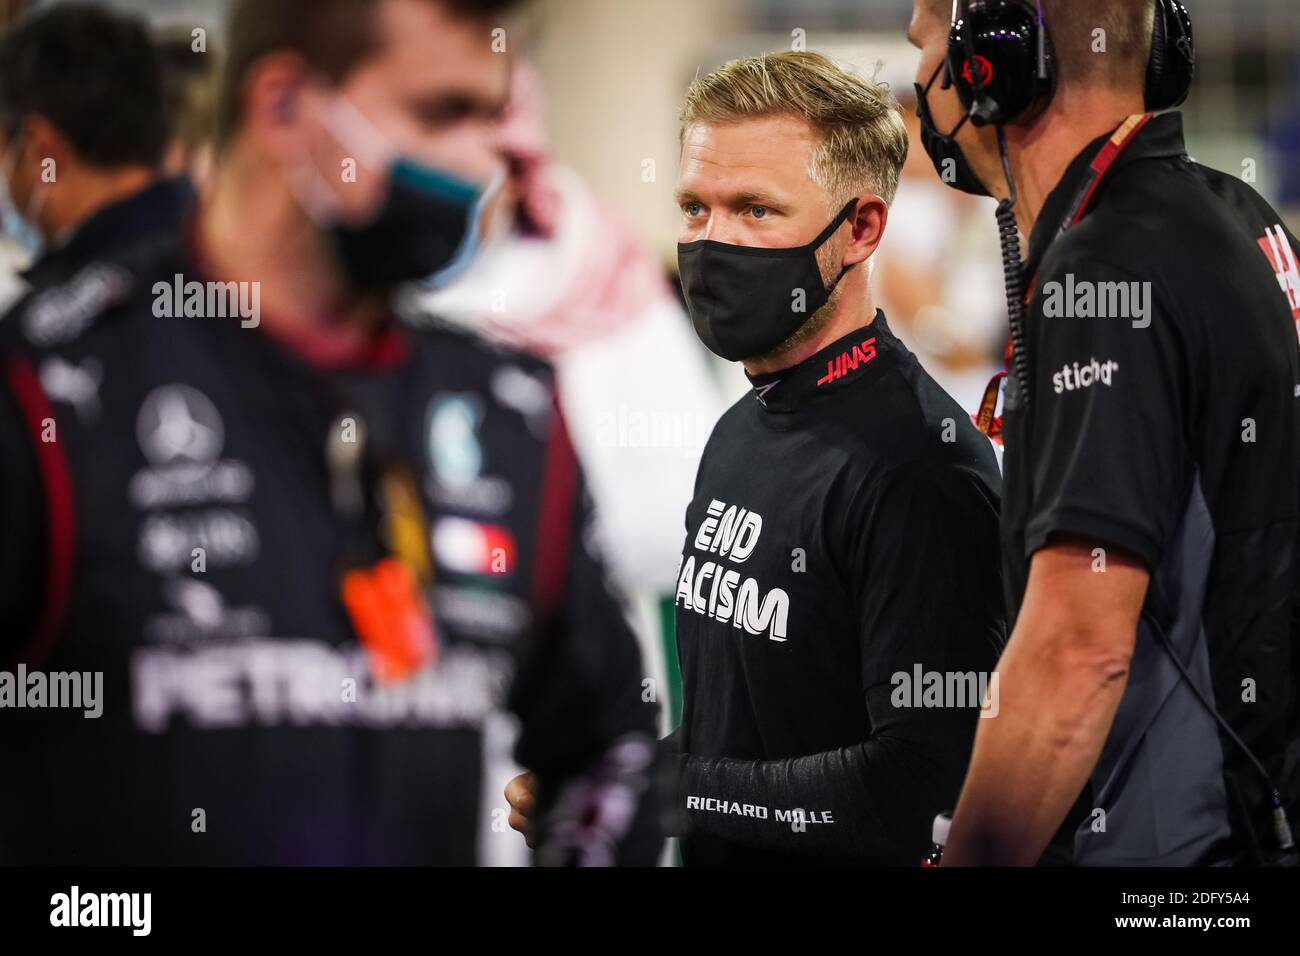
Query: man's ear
{"points": [[867, 222], [42, 147], [272, 100]]}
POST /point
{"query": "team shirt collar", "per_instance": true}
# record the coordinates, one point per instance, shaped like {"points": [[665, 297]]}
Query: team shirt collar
{"points": [[1161, 137], [846, 361]]}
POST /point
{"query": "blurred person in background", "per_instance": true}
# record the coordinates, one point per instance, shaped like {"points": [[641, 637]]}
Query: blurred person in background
{"points": [[1152, 438], [843, 530], [190, 82], [83, 129], [933, 279], [306, 546], [560, 275]]}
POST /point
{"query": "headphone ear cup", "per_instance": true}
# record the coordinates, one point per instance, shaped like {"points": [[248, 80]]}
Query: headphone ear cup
{"points": [[1156, 62], [1004, 36], [1172, 64]]}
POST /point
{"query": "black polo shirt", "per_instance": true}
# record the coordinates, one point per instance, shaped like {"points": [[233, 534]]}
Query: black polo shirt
{"points": [[1161, 421], [841, 551]]}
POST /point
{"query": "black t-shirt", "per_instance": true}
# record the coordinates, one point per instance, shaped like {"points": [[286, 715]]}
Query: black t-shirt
{"points": [[841, 549], [1162, 421], [172, 521]]}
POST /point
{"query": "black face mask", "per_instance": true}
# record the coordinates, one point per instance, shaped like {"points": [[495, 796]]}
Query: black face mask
{"points": [[421, 228], [742, 298], [944, 150]]}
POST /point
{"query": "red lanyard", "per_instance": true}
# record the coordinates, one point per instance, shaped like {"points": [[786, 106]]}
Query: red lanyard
{"points": [[984, 418]]}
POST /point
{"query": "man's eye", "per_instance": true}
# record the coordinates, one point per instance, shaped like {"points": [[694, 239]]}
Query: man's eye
{"points": [[692, 208], [758, 212]]}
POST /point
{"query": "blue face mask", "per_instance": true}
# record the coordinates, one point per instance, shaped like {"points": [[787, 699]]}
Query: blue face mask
{"points": [[15, 228], [13, 224], [472, 244]]}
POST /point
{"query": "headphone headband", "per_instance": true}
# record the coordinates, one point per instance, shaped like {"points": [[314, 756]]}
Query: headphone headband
{"points": [[1001, 61]]}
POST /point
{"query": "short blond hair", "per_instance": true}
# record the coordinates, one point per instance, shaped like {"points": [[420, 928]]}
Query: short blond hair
{"points": [[863, 141]]}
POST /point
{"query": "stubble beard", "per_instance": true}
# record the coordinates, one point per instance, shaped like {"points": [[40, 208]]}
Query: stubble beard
{"points": [[828, 258]]}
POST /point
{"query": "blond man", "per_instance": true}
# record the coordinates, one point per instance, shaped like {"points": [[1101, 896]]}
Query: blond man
{"points": [[838, 603]]}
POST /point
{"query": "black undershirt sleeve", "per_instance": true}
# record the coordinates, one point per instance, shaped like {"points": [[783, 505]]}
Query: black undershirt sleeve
{"points": [[922, 560], [873, 801]]}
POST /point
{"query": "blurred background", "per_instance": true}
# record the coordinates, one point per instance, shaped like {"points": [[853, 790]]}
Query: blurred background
{"points": [[589, 267], [612, 73]]}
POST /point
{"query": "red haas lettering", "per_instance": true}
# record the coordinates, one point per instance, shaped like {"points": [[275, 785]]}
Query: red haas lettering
{"points": [[1277, 247], [848, 361]]}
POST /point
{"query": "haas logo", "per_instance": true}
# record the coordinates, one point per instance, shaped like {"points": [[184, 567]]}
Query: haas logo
{"points": [[848, 361], [985, 68], [1277, 247]]}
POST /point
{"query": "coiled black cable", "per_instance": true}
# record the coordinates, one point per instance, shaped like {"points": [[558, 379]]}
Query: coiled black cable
{"points": [[1013, 276]]}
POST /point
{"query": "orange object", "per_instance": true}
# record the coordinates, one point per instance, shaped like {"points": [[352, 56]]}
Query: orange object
{"points": [[391, 618], [985, 419]]}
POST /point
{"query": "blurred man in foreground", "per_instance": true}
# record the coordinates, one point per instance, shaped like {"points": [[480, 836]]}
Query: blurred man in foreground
{"points": [[305, 548], [83, 128], [190, 87]]}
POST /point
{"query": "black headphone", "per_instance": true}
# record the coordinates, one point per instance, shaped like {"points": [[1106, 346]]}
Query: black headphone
{"points": [[1000, 59], [1173, 57]]}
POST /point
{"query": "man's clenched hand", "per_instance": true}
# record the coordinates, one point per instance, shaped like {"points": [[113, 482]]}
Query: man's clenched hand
{"points": [[521, 794]]}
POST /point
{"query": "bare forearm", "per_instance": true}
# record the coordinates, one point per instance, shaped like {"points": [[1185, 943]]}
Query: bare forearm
{"points": [[1031, 761]]}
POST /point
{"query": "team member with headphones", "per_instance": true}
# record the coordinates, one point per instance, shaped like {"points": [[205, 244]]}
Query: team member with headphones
{"points": [[1149, 521]]}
